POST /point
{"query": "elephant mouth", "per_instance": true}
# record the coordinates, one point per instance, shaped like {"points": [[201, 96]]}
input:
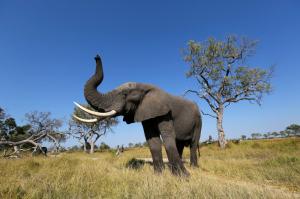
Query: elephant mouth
{"points": [[99, 115], [128, 117]]}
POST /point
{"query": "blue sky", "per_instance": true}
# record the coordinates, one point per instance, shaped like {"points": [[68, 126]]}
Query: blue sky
{"points": [[47, 50]]}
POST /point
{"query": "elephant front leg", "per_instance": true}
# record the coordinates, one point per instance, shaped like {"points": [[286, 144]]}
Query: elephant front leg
{"points": [[167, 131], [156, 152], [153, 139]]}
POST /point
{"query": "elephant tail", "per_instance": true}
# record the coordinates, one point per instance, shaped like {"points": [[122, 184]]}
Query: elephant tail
{"points": [[197, 133]]}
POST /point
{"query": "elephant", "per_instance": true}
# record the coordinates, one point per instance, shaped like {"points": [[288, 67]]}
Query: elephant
{"points": [[174, 119]]}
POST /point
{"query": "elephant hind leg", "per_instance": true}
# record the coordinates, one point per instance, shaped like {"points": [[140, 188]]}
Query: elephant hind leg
{"points": [[195, 144], [193, 157], [166, 128]]}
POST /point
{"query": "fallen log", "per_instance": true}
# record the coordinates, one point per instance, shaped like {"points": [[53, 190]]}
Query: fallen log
{"points": [[165, 160]]}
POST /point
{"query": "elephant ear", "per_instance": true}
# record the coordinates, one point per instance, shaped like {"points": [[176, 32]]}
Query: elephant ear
{"points": [[154, 104]]}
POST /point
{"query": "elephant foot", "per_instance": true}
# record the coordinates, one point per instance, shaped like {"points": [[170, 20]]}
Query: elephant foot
{"points": [[194, 160], [194, 165], [177, 171], [158, 167], [184, 174], [158, 171]]}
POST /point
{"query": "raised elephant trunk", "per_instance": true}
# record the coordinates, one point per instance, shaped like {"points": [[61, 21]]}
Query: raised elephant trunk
{"points": [[98, 101]]}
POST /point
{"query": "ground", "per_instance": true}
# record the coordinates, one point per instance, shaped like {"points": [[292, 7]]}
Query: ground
{"points": [[251, 169]]}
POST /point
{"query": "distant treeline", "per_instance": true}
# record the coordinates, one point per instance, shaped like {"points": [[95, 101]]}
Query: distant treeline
{"points": [[40, 127], [290, 131], [105, 147]]}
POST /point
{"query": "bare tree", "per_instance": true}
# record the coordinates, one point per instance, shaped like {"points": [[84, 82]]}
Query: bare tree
{"points": [[223, 76], [88, 134], [42, 123], [41, 127]]}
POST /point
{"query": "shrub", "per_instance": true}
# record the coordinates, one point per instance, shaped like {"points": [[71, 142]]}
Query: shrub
{"points": [[135, 163]]}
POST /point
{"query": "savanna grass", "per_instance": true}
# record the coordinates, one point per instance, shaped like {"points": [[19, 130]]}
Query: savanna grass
{"points": [[251, 169]]}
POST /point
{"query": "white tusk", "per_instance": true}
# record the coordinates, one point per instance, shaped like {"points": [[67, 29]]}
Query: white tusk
{"points": [[85, 120], [110, 113]]}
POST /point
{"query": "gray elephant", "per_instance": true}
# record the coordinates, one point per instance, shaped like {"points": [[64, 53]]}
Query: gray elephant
{"points": [[176, 120]]}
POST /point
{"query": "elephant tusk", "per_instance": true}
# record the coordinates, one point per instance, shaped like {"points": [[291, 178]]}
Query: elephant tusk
{"points": [[107, 114], [85, 120]]}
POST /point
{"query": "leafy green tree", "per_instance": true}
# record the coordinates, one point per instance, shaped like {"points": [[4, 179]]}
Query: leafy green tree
{"points": [[223, 77], [138, 145], [130, 145], [283, 134], [2, 113], [256, 135], [10, 131], [243, 137], [275, 134], [293, 130], [104, 146]]}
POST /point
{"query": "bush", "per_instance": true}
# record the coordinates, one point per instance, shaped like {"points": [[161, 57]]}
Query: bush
{"points": [[135, 163]]}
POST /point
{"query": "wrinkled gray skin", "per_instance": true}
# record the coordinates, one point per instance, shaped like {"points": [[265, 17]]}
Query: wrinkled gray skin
{"points": [[176, 120]]}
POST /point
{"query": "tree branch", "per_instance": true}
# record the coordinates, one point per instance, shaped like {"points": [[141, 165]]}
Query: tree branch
{"points": [[192, 91], [209, 88], [203, 113], [213, 108], [242, 98], [55, 141]]}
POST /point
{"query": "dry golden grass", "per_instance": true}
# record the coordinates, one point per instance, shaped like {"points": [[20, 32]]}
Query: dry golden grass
{"points": [[252, 169]]}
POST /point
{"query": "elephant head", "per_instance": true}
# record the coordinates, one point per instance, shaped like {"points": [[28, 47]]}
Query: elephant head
{"points": [[135, 101]]}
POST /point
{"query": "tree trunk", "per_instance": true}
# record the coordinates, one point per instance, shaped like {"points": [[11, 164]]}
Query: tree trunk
{"points": [[221, 133], [92, 147], [16, 150], [84, 146]]}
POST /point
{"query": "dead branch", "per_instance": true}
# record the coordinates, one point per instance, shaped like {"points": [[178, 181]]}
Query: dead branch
{"points": [[208, 114]]}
